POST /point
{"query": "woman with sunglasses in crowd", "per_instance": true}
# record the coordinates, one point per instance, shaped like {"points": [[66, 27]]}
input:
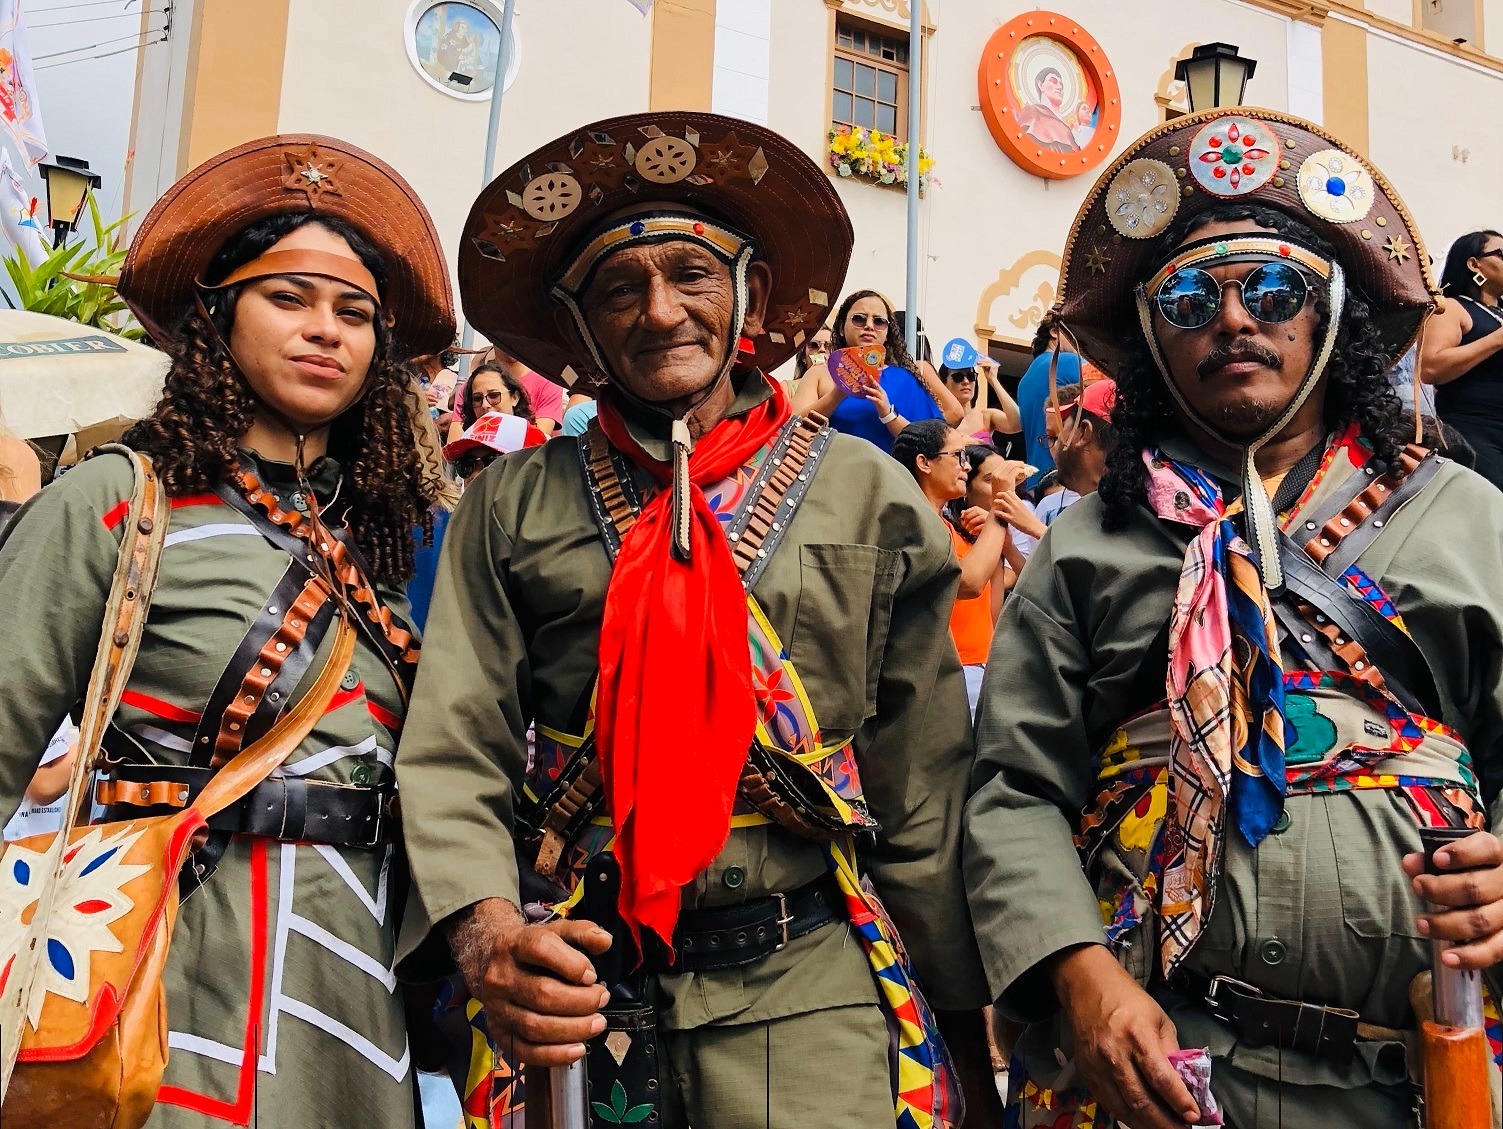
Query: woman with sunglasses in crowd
{"points": [[982, 423], [940, 461], [815, 352], [1464, 349], [907, 390], [490, 389]]}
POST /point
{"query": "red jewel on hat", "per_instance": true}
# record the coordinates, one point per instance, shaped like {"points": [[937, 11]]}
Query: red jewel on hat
{"points": [[699, 229], [1284, 250]]}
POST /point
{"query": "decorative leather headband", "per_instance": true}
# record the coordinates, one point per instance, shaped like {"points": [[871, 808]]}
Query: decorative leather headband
{"points": [[324, 263], [1240, 249], [652, 227]]}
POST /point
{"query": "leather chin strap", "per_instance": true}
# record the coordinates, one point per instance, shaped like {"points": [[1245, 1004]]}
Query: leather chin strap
{"points": [[1262, 522]]}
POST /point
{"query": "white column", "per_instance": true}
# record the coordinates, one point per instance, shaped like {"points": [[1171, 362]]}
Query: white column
{"points": [[1306, 73], [743, 59]]}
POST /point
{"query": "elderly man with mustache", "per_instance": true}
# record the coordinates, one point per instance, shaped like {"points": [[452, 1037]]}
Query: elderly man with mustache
{"points": [[1233, 684]]}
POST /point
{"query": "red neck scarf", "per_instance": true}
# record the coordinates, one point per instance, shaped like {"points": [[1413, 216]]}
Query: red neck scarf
{"points": [[674, 714]]}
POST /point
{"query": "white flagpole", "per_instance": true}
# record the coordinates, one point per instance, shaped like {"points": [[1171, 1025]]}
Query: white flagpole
{"points": [[915, 94], [492, 131]]}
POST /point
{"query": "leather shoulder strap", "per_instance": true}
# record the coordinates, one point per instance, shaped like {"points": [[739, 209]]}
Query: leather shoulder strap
{"points": [[144, 533], [255, 763]]}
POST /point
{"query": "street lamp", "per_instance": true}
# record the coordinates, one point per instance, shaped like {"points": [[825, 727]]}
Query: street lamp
{"points": [[68, 182], [1215, 76]]}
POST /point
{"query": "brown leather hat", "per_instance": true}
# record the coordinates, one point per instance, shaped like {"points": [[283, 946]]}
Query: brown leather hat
{"points": [[527, 223], [291, 173], [1249, 155]]}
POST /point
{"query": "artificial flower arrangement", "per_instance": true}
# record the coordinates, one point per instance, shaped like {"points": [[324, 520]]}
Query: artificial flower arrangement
{"points": [[874, 156]]}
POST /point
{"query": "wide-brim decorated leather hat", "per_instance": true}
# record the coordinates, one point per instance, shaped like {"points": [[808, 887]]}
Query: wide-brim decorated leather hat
{"points": [[1238, 155], [529, 221], [291, 173]]}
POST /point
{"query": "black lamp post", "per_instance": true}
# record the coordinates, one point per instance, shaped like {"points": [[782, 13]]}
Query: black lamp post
{"points": [[68, 183], [1215, 76]]}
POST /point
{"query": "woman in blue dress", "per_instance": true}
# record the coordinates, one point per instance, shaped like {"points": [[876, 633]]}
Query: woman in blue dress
{"points": [[907, 391]]}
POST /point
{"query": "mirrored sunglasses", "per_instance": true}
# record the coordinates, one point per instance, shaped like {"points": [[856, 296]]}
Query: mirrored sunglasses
{"points": [[1190, 298]]}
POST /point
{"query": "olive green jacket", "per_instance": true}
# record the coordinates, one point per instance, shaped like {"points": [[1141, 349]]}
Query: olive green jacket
{"points": [[1321, 910], [859, 591]]}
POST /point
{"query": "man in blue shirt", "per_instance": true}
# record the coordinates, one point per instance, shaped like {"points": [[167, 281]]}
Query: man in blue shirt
{"points": [[1033, 395]]}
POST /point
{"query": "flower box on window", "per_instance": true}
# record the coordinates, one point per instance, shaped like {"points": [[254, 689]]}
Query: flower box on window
{"points": [[876, 157]]}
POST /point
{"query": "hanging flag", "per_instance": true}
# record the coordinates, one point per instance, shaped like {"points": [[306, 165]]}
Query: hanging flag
{"points": [[20, 113], [21, 213]]}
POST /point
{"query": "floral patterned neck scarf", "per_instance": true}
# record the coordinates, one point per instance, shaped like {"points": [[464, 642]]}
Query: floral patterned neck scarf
{"points": [[1226, 703]]}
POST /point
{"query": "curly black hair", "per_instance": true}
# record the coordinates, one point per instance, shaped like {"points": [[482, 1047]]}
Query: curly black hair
{"points": [[1357, 387], [194, 432]]}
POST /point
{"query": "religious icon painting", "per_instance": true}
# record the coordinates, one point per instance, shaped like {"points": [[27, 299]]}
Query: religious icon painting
{"points": [[1049, 95], [455, 45]]}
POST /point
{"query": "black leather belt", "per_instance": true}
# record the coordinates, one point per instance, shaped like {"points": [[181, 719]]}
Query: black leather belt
{"points": [[288, 808], [732, 936], [1328, 1033]]}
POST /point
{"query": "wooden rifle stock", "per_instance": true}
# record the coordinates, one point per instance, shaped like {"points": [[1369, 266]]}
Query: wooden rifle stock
{"points": [[1457, 1088]]}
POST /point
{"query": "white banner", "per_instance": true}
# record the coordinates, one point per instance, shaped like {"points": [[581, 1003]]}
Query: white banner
{"points": [[21, 214], [20, 113]]}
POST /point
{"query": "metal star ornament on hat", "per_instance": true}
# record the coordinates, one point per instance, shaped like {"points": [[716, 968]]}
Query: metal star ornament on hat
{"points": [[1117, 268], [186, 228], [537, 232]]}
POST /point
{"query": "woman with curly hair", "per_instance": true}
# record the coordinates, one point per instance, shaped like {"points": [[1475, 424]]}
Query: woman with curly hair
{"points": [[907, 391], [285, 440]]}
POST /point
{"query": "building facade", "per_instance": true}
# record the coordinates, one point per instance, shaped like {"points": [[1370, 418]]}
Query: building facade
{"points": [[1415, 84]]}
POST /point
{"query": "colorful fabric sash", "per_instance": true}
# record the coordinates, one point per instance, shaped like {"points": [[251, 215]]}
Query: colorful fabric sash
{"points": [[1226, 698]]}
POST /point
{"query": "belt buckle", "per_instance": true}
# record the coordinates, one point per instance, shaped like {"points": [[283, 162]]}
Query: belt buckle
{"points": [[784, 919], [375, 839], [1221, 1009]]}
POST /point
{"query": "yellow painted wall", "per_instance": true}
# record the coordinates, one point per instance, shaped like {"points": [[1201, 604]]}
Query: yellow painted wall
{"points": [[237, 83], [1345, 51], [683, 54]]}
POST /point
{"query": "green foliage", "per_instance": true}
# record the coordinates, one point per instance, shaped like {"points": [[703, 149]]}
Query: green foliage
{"points": [[46, 288], [617, 1112]]}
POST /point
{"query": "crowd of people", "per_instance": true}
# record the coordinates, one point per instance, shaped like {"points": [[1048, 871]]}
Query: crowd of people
{"points": [[1079, 737]]}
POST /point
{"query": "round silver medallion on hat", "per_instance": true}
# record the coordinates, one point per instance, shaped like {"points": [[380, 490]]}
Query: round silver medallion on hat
{"points": [[1142, 199]]}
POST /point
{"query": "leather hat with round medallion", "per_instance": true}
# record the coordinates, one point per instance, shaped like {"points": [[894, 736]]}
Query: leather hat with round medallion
{"points": [[1231, 155], [291, 173], [529, 224]]}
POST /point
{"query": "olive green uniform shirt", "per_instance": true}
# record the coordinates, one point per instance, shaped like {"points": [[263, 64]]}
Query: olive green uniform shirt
{"points": [[1320, 911], [293, 943], [859, 591]]}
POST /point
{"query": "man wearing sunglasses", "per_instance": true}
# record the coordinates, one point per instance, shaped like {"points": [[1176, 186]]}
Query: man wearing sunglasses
{"points": [[1238, 679]]}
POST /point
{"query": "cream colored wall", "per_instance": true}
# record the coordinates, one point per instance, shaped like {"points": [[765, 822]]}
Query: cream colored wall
{"points": [[987, 212], [1492, 27], [1412, 143], [581, 60], [1401, 11]]}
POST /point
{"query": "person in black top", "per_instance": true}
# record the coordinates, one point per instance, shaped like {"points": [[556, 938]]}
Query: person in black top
{"points": [[1463, 349]]}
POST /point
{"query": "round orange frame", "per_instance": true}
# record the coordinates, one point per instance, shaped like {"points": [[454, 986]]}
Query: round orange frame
{"points": [[991, 78]]}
